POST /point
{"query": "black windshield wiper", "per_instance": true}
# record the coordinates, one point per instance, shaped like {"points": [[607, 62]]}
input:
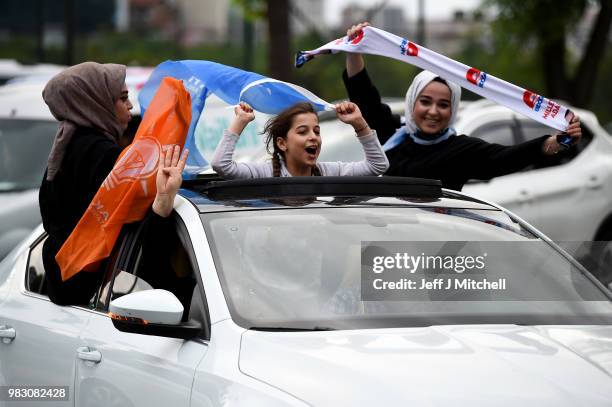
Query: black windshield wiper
{"points": [[290, 329]]}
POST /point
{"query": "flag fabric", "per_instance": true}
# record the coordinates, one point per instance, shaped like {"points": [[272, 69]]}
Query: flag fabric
{"points": [[129, 189], [378, 42], [232, 85]]}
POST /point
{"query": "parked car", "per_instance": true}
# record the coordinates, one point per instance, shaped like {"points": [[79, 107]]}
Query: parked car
{"points": [[568, 197], [11, 70], [27, 130], [275, 316]]}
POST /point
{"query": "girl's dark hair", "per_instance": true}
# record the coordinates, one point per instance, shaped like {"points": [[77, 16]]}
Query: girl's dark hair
{"points": [[279, 126]]}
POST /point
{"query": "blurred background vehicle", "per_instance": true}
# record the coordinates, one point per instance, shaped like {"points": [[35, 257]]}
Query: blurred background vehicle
{"points": [[13, 71]]}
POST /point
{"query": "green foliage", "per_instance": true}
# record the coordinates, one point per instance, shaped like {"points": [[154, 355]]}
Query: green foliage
{"points": [[323, 75], [546, 19], [519, 64], [601, 104], [252, 9]]}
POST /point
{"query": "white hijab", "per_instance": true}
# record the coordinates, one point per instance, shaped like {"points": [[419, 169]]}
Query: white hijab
{"points": [[418, 84], [410, 129]]}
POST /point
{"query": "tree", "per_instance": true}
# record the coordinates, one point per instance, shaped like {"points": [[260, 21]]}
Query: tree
{"points": [[547, 23], [279, 36], [276, 13]]}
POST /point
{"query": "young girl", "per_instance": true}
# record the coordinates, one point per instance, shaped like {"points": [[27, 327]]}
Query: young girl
{"points": [[295, 143]]}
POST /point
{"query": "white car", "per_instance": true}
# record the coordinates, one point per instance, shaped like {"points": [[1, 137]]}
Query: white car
{"points": [[270, 308], [569, 198]]}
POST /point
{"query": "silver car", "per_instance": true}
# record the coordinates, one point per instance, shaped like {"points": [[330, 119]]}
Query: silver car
{"points": [[302, 291]]}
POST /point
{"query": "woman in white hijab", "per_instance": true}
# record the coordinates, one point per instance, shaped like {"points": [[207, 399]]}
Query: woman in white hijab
{"points": [[427, 146]]}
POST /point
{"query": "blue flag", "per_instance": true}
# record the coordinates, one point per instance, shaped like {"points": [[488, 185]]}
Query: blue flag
{"points": [[232, 85]]}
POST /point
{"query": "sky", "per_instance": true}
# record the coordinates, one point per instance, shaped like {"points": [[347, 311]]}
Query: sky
{"points": [[434, 9]]}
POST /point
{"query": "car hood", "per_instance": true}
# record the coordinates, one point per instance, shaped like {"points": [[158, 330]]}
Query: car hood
{"points": [[472, 365]]}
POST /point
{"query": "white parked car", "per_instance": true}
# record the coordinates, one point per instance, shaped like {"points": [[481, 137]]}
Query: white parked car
{"points": [[569, 198], [269, 311]]}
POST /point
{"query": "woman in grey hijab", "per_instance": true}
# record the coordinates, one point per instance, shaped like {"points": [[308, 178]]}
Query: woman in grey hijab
{"points": [[91, 103]]}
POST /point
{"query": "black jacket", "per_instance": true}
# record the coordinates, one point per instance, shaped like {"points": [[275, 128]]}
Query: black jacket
{"points": [[89, 158], [453, 161]]}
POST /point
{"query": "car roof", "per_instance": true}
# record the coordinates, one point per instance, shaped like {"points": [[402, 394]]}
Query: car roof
{"points": [[211, 194], [22, 99]]}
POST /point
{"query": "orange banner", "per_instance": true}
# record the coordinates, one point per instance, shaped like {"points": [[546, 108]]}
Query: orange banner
{"points": [[129, 189]]}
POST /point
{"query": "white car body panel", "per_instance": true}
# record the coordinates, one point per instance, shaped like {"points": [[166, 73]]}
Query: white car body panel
{"points": [[56, 330], [219, 380], [135, 370], [501, 365], [544, 196], [217, 307]]}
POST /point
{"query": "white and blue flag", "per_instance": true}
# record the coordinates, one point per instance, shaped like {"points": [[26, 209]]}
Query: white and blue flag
{"points": [[232, 85]]}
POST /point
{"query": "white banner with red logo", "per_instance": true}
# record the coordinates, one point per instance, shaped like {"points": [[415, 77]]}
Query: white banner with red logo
{"points": [[378, 42]]}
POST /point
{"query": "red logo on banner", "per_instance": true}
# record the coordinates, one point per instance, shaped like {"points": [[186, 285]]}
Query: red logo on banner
{"points": [[529, 98], [473, 75], [413, 51], [409, 48], [476, 77], [358, 38], [533, 100]]}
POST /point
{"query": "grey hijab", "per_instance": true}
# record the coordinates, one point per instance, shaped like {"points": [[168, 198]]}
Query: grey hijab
{"points": [[83, 95]]}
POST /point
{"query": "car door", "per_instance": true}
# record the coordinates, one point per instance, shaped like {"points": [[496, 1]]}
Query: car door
{"points": [[564, 187], [514, 191], [40, 339], [139, 370]]}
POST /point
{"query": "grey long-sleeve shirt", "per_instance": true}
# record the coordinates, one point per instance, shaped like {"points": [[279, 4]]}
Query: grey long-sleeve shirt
{"points": [[223, 163]]}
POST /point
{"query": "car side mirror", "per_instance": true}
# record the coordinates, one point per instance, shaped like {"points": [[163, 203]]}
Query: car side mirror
{"points": [[152, 312]]}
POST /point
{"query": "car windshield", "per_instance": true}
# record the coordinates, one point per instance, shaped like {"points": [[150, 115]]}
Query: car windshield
{"points": [[313, 268], [24, 148]]}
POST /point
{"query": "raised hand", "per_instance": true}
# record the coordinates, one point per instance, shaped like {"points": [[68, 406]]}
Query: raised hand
{"points": [[169, 179], [244, 114], [356, 29], [354, 61], [349, 113], [552, 146]]}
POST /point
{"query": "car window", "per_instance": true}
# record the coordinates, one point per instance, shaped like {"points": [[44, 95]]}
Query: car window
{"points": [[35, 277], [499, 133], [531, 130], [24, 148], [303, 268], [152, 255]]}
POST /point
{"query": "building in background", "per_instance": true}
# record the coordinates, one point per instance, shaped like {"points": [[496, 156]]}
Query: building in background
{"points": [[204, 21], [307, 15], [391, 18], [352, 14], [448, 37]]}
